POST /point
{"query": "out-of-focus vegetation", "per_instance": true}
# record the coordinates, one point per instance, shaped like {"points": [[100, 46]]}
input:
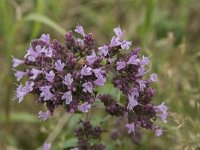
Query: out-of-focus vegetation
{"points": [[168, 30]]}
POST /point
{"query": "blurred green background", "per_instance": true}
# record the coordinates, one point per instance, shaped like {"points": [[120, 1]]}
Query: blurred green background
{"points": [[168, 31]]}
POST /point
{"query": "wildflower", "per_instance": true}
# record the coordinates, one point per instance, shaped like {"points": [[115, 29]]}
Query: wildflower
{"points": [[118, 31], [125, 44], [91, 58], [132, 102], [35, 73], [23, 90], [158, 132], [161, 111], [87, 87], [46, 93], [59, 65], [131, 128], [103, 51], [45, 38], [50, 76], [79, 29], [100, 81], [153, 77], [43, 116], [133, 60], [67, 96], [47, 146], [17, 62], [68, 79], [121, 65], [20, 74], [86, 71], [84, 107]]}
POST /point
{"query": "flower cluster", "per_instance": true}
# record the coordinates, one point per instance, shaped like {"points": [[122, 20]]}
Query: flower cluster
{"points": [[69, 74], [87, 132]]}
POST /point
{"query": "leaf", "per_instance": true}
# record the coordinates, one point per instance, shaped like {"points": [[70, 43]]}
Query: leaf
{"points": [[110, 89], [45, 20], [72, 142]]}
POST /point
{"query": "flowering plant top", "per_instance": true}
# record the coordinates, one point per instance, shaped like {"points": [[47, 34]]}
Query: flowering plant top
{"points": [[69, 74]]}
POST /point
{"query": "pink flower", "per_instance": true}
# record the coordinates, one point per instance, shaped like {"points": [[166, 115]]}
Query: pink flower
{"points": [[68, 79], [100, 81], [84, 107], [47, 146], [158, 132], [87, 87], [131, 128], [43, 116], [132, 101], [35, 73], [125, 44], [133, 60], [118, 31], [161, 111], [50, 76], [79, 29], [59, 65], [17, 62], [153, 77], [121, 65], [20, 74], [46, 93], [67, 96], [91, 58], [86, 71], [103, 51], [45, 38], [23, 90]]}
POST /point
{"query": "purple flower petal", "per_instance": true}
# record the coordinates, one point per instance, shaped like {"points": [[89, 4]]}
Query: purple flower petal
{"points": [[100, 81], [50, 76], [23, 90], [121, 65], [131, 128], [86, 71], [91, 58], [43, 116], [98, 72], [161, 112], [45, 38], [158, 132], [46, 93], [87, 87], [20, 74], [59, 65], [68, 79], [17, 62], [118, 31], [67, 96], [103, 51], [35, 73], [47, 146], [132, 101], [153, 77], [125, 44], [79, 29], [133, 60], [84, 107]]}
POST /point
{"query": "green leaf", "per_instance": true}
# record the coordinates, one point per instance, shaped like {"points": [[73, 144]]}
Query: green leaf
{"points": [[72, 142], [110, 89], [45, 20]]}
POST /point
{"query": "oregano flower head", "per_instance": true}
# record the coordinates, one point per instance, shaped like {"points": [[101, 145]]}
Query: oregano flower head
{"points": [[69, 75]]}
